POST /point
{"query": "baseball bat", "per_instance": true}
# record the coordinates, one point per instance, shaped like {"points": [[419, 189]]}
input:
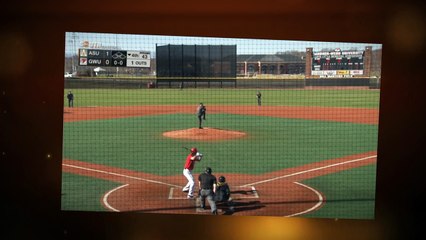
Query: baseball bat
{"points": [[186, 148]]}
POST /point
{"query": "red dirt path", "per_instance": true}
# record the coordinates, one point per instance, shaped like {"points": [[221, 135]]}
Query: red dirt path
{"points": [[353, 115], [279, 193]]}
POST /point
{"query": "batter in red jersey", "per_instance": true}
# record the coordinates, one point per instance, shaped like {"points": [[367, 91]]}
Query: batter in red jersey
{"points": [[193, 157]]}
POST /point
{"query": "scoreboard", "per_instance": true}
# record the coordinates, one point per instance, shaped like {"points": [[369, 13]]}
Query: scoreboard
{"points": [[338, 63], [113, 58]]}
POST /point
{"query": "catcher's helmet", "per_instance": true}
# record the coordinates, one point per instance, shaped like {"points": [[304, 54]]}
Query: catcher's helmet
{"points": [[222, 179], [194, 150], [208, 170]]}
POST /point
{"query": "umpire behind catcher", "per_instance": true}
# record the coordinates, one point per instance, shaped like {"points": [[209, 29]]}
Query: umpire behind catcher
{"points": [[207, 184]]}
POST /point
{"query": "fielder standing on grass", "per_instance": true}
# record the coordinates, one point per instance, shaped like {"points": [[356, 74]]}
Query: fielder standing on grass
{"points": [[194, 156], [70, 98], [259, 98]]}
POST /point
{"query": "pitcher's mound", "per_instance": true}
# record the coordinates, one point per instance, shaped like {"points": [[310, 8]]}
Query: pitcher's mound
{"points": [[205, 134]]}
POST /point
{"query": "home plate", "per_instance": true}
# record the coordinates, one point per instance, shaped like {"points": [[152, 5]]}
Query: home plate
{"points": [[237, 193], [248, 192]]}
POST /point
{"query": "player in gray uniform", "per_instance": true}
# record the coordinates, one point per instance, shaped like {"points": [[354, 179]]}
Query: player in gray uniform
{"points": [[70, 97], [259, 98], [207, 184], [201, 114]]}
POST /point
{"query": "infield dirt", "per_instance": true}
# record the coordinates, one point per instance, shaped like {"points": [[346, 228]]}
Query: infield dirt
{"points": [[280, 193]]}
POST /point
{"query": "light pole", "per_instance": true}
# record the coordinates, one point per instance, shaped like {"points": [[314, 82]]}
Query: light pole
{"points": [[73, 67], [116, 46]]}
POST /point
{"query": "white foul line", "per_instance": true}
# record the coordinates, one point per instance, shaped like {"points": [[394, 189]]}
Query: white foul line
{"points": [[319, 203], [121, 175], [309, 170], [105, 199]]}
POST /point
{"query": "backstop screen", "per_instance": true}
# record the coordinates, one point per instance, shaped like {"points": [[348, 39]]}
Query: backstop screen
{"points": [[195, 61]]}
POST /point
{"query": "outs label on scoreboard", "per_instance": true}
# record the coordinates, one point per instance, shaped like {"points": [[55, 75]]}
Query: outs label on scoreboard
{"points": [[113, 58], [138, 59]]}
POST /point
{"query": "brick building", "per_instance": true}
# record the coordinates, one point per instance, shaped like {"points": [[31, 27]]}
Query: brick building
{"points": [[256, 64]]}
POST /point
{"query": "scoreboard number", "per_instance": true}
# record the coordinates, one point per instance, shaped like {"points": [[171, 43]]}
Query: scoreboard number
{"points": [[118, 63]]}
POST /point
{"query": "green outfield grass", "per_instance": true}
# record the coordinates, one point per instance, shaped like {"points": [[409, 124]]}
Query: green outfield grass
{"points": [[349, 194], [244, 97], [136, 143], [273, 143]]}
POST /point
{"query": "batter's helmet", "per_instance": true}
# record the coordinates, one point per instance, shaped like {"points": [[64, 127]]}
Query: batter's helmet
{"points": [[208, 170], [222, 179], [194, 150]]}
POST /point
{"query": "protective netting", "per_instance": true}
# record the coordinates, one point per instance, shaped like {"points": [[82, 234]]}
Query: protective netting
{"points": [[291, 125]]}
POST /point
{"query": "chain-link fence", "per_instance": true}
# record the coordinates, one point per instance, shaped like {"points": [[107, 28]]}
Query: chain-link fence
{"points": [[137, 61]]}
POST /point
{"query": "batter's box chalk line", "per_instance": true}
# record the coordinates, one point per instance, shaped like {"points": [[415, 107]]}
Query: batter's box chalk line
{"points": [[245, 192]]}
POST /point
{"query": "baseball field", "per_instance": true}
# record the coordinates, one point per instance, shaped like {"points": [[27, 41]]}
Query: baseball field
{"points": [[304, 152]]}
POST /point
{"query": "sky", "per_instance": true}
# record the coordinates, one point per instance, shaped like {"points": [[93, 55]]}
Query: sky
{"points": [[139, 42]]}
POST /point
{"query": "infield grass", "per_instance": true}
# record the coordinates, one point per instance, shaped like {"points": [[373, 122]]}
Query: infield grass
{"points": [[272, 143], [136, 143]]}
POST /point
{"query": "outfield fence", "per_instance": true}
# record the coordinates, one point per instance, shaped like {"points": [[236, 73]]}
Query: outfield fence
{"points": [[293, 83]]}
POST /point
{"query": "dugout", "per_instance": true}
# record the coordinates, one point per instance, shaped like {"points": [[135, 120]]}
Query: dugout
{"points": [[178, 64]]}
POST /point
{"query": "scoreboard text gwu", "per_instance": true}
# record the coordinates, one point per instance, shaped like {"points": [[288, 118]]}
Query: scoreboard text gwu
{"points": [[113, 58]]}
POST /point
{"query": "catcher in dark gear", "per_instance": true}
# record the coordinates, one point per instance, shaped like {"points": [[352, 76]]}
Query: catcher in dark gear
{"points": [[223, 193]]}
